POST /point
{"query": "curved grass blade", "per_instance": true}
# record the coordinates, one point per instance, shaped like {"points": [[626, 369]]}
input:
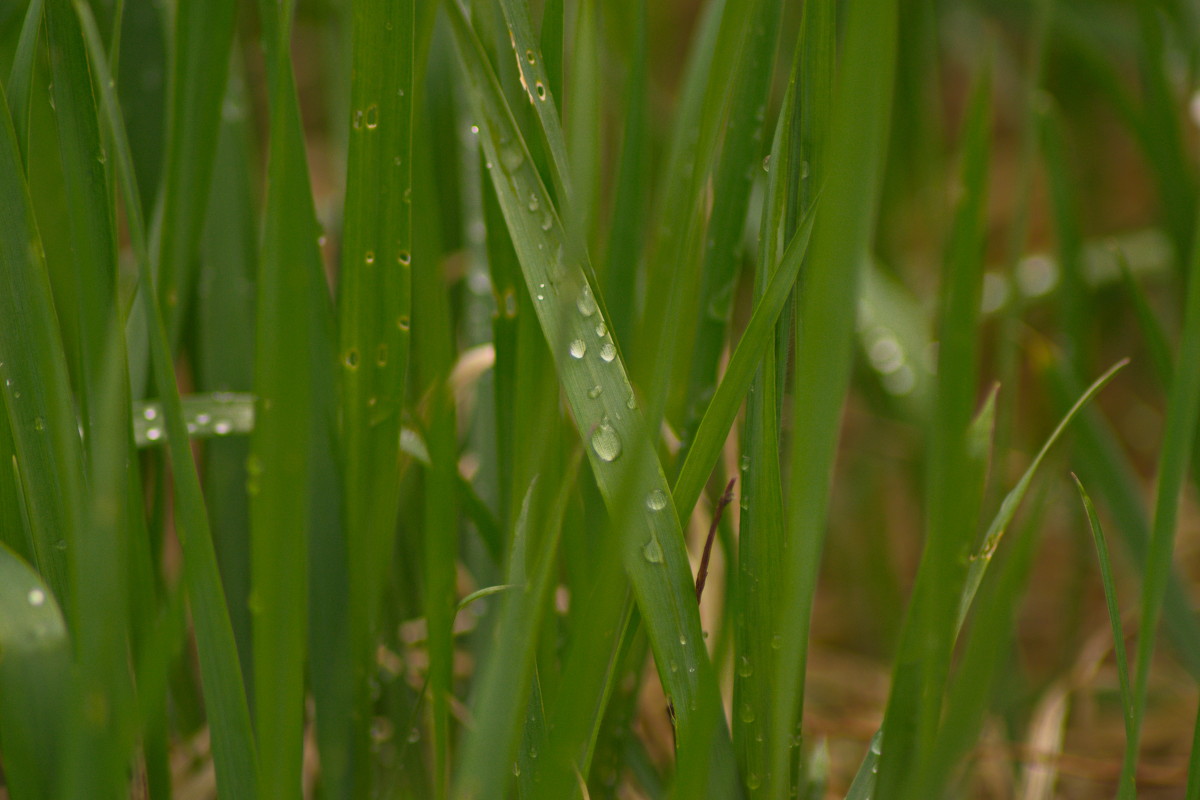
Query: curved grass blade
{"points": [[35, 677], [36, 385], [723, 408], [225, 701], [857, 135], [20, 77], [593, 375], [199, 67]]}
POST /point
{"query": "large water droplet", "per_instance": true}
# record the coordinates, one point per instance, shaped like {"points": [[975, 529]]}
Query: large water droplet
{"points": [[585, 302], [606, 441], [656, 500], [511, 157], [652, 550], [608, 351], [578, 348], [595, 391]]}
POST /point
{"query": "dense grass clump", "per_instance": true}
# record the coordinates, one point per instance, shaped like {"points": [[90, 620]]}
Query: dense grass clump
{"points": [[566, 398]]}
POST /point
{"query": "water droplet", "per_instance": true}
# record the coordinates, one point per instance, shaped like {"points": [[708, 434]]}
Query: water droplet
{"points": [[61, 544], [683, 640], [540, 88], [530, 57], [404, 257], [369, 257], [776, 642], [745, 668], [321, 240], [606, 442], [358, 119], [381, 354], [516, 768], [745, 462], [101, 156], [474, 130], [352, 358], [203, 419], [547, 223], [601, 329], [578, 348], [154, 434], [656, 500], [381, 730], [652, 550], [371, 118], [585, 302], [631, 403], [753, 782], [747, 713], [511, 157], [39, 424], [767, 163], [533, 202], [150, 413], [222, 428], [608, 351], [595, 391], [510, 303], [402, 322], [414, 736], [36, 597], [674, 667]]}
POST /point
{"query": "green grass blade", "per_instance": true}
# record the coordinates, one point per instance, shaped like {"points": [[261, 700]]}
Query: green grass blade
{"points": [[225, 700], [374, 307], [723, 408], [36, 386], [20, 77], [1114, 618], [198, 70], [582, 110], [857, 135], [504, 684], [35, 677], [1178, 440], [1012, 501], [593, 375], [954, 482]]}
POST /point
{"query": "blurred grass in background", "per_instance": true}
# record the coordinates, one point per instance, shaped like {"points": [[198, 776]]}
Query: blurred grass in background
{"points": [[471, 312]]}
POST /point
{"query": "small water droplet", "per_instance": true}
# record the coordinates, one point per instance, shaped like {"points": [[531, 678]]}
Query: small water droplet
{"points": [[414, 736], [607, 442], [321, 240], [683, 640], [381, 730], [516, 769], [585, 302], [402, 322], [369, 257], [474, 130], [652, 550], [753, 781], [547, 222], [39, 424], [767, 163], [36, 597], [601, 329], [222, 428], [631, 403], [595, 391], [747, 713], [404, 258], [608, 351], [203, 419], [674, 667], [154, 434], [533, 202], [745, 668], [656, 500], [396, 161], [776, 642], [540, 88], [358, 119], [371, 118], [381, 354], [578, 348], [150, 413], [745, 462], [351, 358], [530, 57], [511, 157]]}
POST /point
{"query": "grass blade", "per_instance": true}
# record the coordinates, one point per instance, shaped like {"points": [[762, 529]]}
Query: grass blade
{"points": [[857, 135], [20, 77], [598, 391]]}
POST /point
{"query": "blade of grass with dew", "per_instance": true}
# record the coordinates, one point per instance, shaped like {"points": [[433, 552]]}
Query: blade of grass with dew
{"points": [[954, 484], [281, 447], [35, 674], [760, 530], [20, 77], [36, 384], [90, 213], [723, 408], [1178, 440], [228, 714], [857, 135], [619, 446], [504, 685], [1114, 619], [629, 205], [740, 159], [203, 38], [374, 301]]}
